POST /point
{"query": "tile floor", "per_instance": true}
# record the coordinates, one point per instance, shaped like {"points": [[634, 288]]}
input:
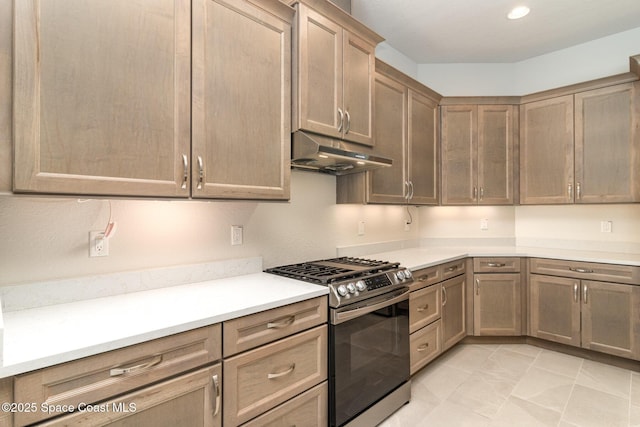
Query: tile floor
{"points": [[519, 385]]}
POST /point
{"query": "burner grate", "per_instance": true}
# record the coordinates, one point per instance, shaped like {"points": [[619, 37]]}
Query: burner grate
{"points": [[332, 270]]}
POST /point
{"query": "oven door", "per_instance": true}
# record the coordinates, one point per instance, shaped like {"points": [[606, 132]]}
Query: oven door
{"points": [[369, 353]]}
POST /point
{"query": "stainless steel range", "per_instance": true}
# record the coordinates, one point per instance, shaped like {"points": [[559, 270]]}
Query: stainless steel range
{"points": [[368, 335]]}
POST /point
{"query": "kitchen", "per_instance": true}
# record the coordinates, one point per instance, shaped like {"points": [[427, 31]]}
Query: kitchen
{"points": [[45, 238]]}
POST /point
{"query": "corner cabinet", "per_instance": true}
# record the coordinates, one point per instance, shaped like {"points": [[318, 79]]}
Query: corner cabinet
{"points": [[405, 130], [582, 148], [334, 71], [134, 99], [478, 143]]}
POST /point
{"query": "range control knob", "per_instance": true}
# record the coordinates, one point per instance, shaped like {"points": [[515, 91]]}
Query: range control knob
{"points": [[351, 287], [342, 290], [400, 275], [408, 274], [360, 285]]}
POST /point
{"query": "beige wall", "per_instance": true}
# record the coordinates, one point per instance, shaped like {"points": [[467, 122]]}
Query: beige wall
{"points": [[46, 238]]}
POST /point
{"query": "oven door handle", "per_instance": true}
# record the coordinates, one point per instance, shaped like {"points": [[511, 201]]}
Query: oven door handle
{"points": [[338, 317]]}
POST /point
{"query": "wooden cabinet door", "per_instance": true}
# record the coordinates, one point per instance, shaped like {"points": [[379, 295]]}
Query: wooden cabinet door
{"points": [[497, 304], [546, 151], [453, 311], [192, 399], [459, 155], [318, 102], [422, 128], [495, 154], [611, 318], [241, 100], [358, 77], [607, 146], [555, 309], [102, 97], [387, 185]]}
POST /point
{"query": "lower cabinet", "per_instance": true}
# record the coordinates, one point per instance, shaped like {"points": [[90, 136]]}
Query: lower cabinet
{"points": [[592, 314], [436, 311], [192, 399], [497, 297]]}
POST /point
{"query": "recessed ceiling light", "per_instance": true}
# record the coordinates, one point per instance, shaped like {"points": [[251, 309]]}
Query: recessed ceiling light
{"points": [[518, 12]]}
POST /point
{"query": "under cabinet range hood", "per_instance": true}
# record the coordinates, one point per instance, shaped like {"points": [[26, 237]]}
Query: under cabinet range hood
{"points": [[323, 154]]}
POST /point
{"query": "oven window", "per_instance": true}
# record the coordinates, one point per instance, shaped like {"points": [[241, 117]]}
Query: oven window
{"points": [[370, 359]]}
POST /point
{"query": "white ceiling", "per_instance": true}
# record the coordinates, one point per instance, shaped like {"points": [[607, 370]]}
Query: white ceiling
{"points": [[478, 31]]}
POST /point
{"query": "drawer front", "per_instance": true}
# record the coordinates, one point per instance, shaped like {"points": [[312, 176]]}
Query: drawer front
{"points": [[192, 399], [310, 409], [586, 270], [260, 379], [245, 333], [496, 265], [424, 307], [100, 377], [426, 277], [425, 345], [452, 269]]}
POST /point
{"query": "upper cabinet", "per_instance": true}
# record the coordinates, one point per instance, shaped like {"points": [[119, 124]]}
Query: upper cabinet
{"points": [[405, 130], [241, 101], [102, 97], [334, 57], [582, 148], [478, 143], [105, 102]]}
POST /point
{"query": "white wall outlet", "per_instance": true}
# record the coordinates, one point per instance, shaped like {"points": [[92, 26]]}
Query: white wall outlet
{"points": [[360, 228], [98, 245], [236, 235], [407, 226], [484, 224], [605, 226]]}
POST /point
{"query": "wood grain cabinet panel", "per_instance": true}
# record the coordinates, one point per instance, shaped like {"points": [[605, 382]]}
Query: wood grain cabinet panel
{"points": [[190, 400], [497, 306], [101, 97], [422, 131], [453, 311], [241, 99], [425, 345], [245, 333], [424, 307], [334, 72], [260, 379], [477, 154], [102, 376], [546, 151], [607, 145]]}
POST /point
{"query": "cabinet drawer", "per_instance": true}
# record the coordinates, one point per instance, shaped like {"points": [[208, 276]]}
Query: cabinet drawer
{"points": [[586, 270], [100, 377], [424, 307], [496, 265], [425, 277], [260, 379], [310, 409], [425, 345], [247, 332], [452, 269], [192, 399]]}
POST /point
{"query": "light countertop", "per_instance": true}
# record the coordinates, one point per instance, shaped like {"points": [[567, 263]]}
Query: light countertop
{"points": [[422, 257], [44, 336]]}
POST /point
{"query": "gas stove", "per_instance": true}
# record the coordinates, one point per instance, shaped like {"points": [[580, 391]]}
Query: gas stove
{"points": [[349, 279]]}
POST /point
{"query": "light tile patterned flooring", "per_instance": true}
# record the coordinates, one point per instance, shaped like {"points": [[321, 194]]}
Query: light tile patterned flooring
{"points": [[519, 385]]}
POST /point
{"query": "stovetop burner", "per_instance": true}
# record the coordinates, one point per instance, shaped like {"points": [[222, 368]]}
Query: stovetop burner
{"points": [[349, 279], [332, 270]]}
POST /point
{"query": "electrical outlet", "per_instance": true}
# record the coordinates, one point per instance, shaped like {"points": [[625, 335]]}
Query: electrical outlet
{"points": [[605, 226], [407, 226], [98, 245], [484, 224], [236, 235], [360, 228]]}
